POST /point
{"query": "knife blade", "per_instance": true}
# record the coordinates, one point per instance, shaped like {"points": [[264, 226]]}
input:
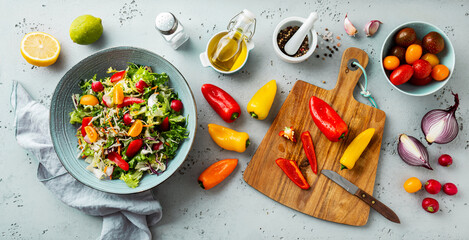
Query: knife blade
{"points": [[362, 195]]}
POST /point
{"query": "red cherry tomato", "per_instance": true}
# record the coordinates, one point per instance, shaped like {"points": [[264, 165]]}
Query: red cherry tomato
{"points": [[84, 123], [97, 87], [420, 81], [115, 157], [433, 186], [116, 77], [141, 85], [422, 68], [134, 147], [165, 125], [127, 119], [430, 205], [401, 75], [176, 105]]}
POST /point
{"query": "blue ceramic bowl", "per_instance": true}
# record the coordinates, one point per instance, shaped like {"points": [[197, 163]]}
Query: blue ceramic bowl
{"points": [[446, 57], [63, 133]]}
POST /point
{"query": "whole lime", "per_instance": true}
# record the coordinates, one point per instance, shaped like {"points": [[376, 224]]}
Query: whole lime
{"points": [[86, 29]]}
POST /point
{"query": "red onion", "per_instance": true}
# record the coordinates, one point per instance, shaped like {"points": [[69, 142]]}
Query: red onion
{"points": [[412, 151], [440, 126]]}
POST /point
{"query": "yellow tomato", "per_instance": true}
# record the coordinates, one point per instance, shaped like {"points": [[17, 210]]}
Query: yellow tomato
{"points": [[440, 72], [91, 133], [135, 129], [413, 53], [431, 58], [412, 185], [89, 100], [118, 97], [391, 62]]}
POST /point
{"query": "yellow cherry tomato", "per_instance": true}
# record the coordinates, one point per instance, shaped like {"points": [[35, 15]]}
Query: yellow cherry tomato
{"points": [[413, 53], [118, 97], [412, 185], [431, 58], [89, 100], [135, 129], [391, 62], [91, 133], [440, 72]]}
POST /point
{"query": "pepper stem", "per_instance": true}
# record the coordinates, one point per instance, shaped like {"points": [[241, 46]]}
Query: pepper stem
{"points": [[342, 167], [201, 184], [247, 143], [234, 116], [342, 136], [254, 115]]}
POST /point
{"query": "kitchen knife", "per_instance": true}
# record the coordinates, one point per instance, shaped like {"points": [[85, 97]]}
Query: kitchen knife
{"points": [[367, 198]]}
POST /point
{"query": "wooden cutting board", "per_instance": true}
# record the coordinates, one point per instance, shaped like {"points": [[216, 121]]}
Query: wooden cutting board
{"points": [[325, 199]]}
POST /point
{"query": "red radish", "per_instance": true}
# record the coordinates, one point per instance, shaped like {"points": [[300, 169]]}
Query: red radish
{"points": [[165, 125], [445, 160], [127, 119], [141, 85], [97, 87], [157, 146], [433, 186], [422, 68], [430, 205], [450, 189], [107, 101], [176, 105], [134, 147]]}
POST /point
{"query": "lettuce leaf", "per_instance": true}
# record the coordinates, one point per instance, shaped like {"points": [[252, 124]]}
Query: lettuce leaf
{"points": [[132, 178]]}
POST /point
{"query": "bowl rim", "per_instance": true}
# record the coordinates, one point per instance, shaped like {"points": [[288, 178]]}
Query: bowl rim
{"points": [[445, 37], [285, 57], [55, 95]]}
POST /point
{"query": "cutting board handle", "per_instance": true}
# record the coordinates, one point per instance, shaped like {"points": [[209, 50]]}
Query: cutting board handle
{"points": [[348, 78]]}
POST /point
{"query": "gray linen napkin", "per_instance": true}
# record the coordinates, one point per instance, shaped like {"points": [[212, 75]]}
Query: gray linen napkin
{"points": [[124, 216]]}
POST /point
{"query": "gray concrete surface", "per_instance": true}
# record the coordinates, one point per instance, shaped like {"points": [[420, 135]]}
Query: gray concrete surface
{"points": [[234, 210]]}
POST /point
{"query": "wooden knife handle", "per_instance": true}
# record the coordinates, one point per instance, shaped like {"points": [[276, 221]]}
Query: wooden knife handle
{"points": [[377, 205]]}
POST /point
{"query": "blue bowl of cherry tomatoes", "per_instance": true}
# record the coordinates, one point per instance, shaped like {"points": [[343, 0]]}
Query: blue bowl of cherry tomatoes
{"points": [[417, 58]]}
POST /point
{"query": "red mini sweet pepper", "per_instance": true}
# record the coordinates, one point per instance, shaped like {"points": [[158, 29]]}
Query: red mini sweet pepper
{"points": [[222, 102], [116, 77], [308, 147], [85, 122], [327, 120], [290, 168], [115, 157], [129, 101]]}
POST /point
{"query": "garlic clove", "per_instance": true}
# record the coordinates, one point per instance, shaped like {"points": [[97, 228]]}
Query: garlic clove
{"points": [[349, 28], [372, 27]]}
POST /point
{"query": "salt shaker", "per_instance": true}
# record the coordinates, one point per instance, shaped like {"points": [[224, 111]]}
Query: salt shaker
{"points": [[171, 29]]}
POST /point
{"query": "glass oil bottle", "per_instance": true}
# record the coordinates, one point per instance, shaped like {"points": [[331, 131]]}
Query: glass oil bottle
{"points": [[224, 53]]}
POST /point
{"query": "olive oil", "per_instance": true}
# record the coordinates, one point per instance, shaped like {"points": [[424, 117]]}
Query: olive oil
{"points": [[225, 49], [223, 55]]}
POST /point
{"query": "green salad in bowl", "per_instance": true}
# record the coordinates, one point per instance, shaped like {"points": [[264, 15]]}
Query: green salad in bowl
{"points": [[130, 123]]}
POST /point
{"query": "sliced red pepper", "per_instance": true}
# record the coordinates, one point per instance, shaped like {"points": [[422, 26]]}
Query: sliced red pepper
{"points": [[288, 133], [129, 101], [327, 120], [308, 147], [115, 157], [292, 171], [134, 147], [85, 122], [222, 102], [116, 77]]}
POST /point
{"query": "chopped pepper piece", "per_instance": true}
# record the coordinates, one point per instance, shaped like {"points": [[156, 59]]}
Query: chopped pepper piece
{"points": [[290, 168], [288, 133]]}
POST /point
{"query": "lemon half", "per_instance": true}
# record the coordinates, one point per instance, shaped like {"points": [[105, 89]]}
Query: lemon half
{"points": [[40, 49]]}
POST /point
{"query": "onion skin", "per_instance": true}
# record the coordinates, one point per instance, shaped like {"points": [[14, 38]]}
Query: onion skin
{"points": [[412, 151], [441, 126]]}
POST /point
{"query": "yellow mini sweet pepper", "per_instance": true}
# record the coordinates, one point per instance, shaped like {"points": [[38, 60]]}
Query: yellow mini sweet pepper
{"points": [[356, 148], [228, 138], [260, 104]]}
